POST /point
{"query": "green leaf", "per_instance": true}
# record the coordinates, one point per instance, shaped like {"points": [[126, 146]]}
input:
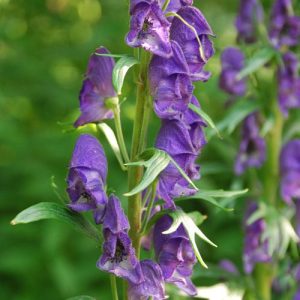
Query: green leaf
{"points": [[49, 210], [259, 59], [112, 140], [180, 217], [209, 196], [197, 217], [157, 163], [237, 113], [205, 117], [120, 70]]}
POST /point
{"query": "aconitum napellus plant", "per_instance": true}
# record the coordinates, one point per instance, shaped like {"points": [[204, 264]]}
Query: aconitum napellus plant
{"points": [[261, 79], [172, 44]]}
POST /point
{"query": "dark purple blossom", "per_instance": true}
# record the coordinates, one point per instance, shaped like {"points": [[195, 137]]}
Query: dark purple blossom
{"points": [[96, 89], [175, 5], [248, 19], [149, 28], [252, 147], [175, 255], [255, 248], [196, 54], [183, 140], [290, 171], [284, 26], [288, 83], [170, 84], [87, 177], [118, 255], [233, 61], [152, 286]]}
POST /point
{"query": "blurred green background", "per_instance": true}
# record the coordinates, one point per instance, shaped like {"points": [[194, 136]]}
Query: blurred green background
{"points": [[44, 49]]}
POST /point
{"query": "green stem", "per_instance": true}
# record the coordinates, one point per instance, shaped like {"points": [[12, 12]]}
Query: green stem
{"points": [[149, 207], [114, 289], [143, 110], [264, 272], [119, 131]]}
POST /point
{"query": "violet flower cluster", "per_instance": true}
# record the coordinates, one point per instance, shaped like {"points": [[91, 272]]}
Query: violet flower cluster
{"points": [[178, 38]]}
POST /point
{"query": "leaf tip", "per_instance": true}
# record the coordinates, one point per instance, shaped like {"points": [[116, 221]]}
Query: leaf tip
{"points": [[13, 222]]}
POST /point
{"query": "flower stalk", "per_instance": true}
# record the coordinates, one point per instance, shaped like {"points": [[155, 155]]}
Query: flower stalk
{"points": [[113, 284]]}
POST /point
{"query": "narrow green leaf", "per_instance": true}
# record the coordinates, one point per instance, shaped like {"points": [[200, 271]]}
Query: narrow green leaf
{"points": [[183, 174], [112, 140], [197, 217], [237, 113], [120, 70], [221, 193], [180, 217], [49, 210], [205, 117], [154, 166], [259, 59]]}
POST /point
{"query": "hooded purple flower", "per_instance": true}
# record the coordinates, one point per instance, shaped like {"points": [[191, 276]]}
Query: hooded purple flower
{"points": [[87, 177], [183, 139], [96, 88], [290, 171], [252, 147], [175, 5], [149, 28], [152, 286], [288, 83], [284, 26], [233, 61], [196, 55], [170, 84], [250, 14], [255, 249], [175, 255], [118, 255]]}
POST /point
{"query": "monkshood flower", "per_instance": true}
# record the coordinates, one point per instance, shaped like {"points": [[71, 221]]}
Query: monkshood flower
{"points": [[87, 177], [196, 49], [96, 89], [233, 61], [183, 140], [252, 150], [175, 5], [175, 255], [170, 84], [248, 19], [255, 249], [149, 28], [288, 83], [284, 26], [152, 286], [290, 171], [118, 255]]}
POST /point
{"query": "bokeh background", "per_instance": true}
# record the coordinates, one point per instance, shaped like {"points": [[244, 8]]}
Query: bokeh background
{"points": [[44, 48]]}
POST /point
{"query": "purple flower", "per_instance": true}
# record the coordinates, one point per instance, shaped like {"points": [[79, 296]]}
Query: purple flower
{"points": [[175, 255], [196, 55], [183, 140], [118, 255], [250, 14], [298, 223], [255, 249], [149, 28], [233, 61], [290, 171], [96, 89], [252, 147], [87, 177], [175, 5], [152, 286], [284, 27], [288, 83], [228, 266], [170, 84]]}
